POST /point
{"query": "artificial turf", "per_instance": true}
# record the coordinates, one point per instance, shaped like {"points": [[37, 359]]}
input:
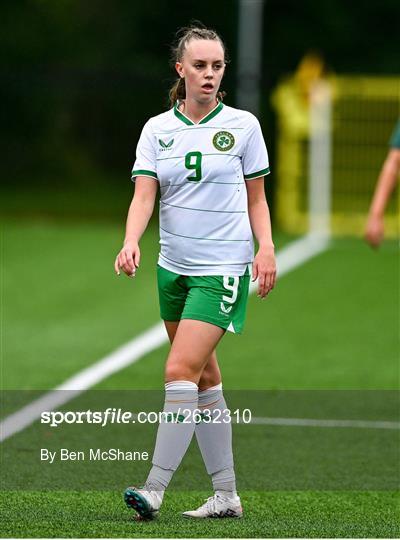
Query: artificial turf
{"points": [[266, 514], [331, 325]]}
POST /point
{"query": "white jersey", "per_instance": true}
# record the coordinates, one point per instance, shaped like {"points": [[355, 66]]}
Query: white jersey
{"points": [[201, 169]]}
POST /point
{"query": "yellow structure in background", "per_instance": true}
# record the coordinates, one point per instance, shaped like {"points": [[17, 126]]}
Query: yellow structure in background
{"points": [[364, 114]]}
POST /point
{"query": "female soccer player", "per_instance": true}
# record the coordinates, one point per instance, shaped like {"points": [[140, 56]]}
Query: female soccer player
{"points": [[209, 161]]}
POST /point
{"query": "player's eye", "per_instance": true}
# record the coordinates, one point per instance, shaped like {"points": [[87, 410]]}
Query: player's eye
{"points": [[198, 66], [218, 66]]}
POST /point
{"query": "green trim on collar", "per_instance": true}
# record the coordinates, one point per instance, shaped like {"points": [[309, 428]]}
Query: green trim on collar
{"points": [[181, 116], [212, 113], [189, 122]]}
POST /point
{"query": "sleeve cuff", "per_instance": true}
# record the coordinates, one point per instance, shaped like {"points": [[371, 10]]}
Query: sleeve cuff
{"points": [[257, 174], [143, 172]]}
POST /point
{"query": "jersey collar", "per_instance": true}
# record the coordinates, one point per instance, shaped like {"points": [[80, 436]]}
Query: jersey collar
{"points": [[205, 119]]}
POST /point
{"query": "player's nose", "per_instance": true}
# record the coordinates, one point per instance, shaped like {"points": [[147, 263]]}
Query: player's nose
{"points": [[209, 73]]}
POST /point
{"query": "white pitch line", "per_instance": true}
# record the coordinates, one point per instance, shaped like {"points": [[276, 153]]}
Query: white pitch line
{"points": [[122, 357], [288, 258], [325, 423]]}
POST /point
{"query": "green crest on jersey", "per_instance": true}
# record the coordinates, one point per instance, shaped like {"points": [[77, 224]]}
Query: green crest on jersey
{"points": [[223, 141], [164, 145]]}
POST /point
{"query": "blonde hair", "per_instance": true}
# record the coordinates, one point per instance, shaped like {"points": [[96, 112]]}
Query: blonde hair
{"points": [[184, 35]]}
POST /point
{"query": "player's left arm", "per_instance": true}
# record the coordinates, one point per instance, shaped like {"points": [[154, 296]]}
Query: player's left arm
{"points": [[264, 265], [386, 183]]}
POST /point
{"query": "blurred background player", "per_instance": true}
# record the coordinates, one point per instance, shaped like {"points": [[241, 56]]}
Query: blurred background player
{"points": [[209, 161], [374, 231]]}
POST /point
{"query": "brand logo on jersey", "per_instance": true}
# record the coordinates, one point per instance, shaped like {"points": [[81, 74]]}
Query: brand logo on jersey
{"points": [[223, 141], [166, 146]]}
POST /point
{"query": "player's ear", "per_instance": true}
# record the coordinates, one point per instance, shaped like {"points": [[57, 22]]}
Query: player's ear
{"points": [[179, 69]]}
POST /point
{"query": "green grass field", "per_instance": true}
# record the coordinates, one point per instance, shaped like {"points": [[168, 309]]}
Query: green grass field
{"points": [[331, 324]]}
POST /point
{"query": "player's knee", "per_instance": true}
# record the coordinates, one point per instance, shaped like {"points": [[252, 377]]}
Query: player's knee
{"points": [[177, 369], [210, 377]]}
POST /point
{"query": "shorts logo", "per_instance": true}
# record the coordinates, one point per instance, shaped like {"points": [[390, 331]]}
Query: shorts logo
{"points": [[224, 309], [223, 141]]}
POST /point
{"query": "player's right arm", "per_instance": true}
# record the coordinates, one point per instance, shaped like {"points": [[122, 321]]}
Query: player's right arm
{"points": [[139, 214]]}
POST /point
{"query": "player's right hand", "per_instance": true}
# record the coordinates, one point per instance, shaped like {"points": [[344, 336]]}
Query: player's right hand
{"points": [[128, 259]]}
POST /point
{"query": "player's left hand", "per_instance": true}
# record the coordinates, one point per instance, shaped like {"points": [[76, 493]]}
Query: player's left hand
{"points": [[374, 231], [264, 268]]}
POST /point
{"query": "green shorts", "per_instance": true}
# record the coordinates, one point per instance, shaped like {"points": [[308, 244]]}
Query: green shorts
{"points": [[219, 300]]}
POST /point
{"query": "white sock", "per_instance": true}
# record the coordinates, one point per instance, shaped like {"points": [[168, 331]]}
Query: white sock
{"points": [[226, 494], [173, 437], [215, 442]]}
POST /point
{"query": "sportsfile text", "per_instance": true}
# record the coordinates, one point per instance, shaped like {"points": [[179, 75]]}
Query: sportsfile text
{"points": [[118, 416]]}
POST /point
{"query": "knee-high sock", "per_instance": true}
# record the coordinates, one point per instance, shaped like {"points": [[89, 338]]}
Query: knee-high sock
{"points": [[173, 437], [215, 441]]}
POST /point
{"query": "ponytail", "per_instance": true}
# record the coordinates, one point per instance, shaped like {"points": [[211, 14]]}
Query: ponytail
{"points": [[177, 91]]}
